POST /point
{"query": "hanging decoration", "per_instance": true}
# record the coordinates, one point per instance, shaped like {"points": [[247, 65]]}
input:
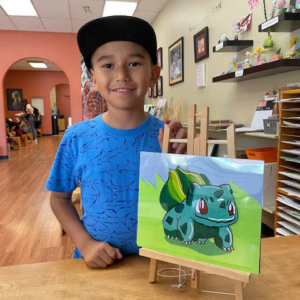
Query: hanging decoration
{"points": [[252, 4]]}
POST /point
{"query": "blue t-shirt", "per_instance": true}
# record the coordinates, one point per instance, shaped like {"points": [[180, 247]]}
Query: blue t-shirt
{"points": [[106, 162]]}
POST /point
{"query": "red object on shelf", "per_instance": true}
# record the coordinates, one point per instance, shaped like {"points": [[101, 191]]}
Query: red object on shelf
{"points": [[268, 154]]}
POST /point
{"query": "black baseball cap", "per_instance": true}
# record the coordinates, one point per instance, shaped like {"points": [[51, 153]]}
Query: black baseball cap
{"points": [[115, 28]]}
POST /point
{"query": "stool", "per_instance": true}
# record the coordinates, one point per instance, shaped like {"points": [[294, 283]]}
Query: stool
{"points": [[30, 135], [24, 139], [16, 139], [40, 131]]}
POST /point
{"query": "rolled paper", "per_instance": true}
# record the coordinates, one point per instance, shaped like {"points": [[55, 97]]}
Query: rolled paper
{"points": [[69, 121]]}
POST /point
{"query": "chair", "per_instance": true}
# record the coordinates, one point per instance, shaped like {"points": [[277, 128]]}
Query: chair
{"points": [[39, 131], [30, 136], [16, 144], [24, 139]]}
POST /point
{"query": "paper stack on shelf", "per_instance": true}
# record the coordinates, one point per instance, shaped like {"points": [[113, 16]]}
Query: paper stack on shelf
{"points": [[287, 205]]}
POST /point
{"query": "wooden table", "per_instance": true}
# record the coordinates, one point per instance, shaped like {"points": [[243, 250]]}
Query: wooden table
{"points": [[128, 279]]}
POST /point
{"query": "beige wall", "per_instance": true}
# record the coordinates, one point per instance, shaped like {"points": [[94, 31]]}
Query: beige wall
{"points": [[235, 101]]}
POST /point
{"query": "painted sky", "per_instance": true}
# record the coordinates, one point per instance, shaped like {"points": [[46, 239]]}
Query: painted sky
{"points": [[247, 174]]}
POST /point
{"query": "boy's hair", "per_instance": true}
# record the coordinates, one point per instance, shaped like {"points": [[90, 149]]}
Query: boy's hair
{"points": [[100, 31]]}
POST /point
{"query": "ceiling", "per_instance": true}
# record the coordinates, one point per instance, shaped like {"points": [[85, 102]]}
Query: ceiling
{"points": [[69, 15]]}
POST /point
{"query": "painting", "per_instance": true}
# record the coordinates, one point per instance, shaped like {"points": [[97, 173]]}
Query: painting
{"points": [[14, 99], [176, 63], [160, 57], [203, 208], [154, 92], [295, 3], [160, 86], [201, 44]]}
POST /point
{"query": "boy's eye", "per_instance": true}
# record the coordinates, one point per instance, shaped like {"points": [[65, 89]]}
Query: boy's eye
{"points": [[108, 66], [134, 64]]}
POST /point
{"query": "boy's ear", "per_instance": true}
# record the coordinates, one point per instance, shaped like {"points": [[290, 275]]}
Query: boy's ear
{"points": [[155, 72], [93, 79]]}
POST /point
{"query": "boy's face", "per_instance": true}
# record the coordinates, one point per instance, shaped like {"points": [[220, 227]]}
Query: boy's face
{"points": [[122, 73]]}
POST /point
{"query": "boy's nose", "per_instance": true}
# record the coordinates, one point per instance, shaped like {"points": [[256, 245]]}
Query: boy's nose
{"points": [[122, 74]]}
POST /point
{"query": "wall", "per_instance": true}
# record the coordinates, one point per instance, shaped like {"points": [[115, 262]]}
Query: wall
{"points": [[63, 101], [60, 48], [227, 100], [35, 84]]}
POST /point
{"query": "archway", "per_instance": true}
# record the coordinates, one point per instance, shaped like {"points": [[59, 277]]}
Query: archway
{"points": [[33, 84]]}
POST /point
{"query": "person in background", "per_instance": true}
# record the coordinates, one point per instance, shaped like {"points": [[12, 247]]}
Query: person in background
{"points": [[29, 111], [13, 128], [24, 124]]}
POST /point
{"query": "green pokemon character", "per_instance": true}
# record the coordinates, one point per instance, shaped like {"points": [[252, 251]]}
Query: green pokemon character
{"points": [[206, 212]]}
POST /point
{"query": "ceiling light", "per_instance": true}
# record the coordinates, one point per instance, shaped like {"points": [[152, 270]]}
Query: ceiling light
{"points": [[112, 8], [18, 8], [37, 65]]}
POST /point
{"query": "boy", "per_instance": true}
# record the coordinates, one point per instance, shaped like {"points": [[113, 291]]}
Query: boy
{"points": [[104, 153]]}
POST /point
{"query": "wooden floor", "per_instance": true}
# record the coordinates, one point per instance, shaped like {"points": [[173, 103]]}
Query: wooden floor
{"points": [[29, 232]]}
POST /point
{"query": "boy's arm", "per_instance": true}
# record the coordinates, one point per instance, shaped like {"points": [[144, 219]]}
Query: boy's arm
{"points": [[96, 254]]}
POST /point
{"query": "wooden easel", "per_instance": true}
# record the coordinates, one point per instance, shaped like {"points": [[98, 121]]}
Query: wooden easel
{"points": [[178, 106], [168, 111], [197, 145]]}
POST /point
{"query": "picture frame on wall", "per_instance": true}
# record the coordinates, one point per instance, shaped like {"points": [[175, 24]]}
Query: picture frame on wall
{"points": [[150, 92], [154, 93], [14, 99], [176, 62], [160, 57], [160, 86], [201, 45]]}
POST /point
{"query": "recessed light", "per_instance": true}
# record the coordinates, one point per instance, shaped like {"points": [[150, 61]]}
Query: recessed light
{"points": [[113, 8], [38, 65], [18, 8]]}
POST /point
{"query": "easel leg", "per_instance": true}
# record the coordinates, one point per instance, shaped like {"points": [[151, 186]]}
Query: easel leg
{"points": [[153, 270], [239, 290], [195, 279]]}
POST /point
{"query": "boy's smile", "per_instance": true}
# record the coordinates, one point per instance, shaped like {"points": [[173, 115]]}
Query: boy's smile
{"points": [[122, 73]]}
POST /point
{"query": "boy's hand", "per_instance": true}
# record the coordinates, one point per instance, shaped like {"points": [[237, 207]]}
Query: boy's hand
{"points": [[178, 132], [100, 254]]}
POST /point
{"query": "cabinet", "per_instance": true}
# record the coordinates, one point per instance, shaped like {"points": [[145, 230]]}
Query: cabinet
{"points": [[61, 124], [287, 204]]}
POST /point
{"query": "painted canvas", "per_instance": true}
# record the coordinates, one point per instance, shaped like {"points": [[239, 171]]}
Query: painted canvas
{"points": [[203, 208]]}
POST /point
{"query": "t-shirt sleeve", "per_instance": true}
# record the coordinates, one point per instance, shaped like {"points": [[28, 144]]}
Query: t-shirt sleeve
{"points": [[62, 177]]}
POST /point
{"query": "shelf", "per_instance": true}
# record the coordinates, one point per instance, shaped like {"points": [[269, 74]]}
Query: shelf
{"points": [[232, 46], [286, 22], [267, 69]]}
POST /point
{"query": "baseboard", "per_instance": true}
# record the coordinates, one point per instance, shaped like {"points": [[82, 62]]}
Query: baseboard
{"points": [[47, 134], [3, 157]]}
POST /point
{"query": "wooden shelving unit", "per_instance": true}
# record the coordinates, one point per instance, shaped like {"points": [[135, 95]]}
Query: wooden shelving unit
{"points": [[286, 22], [233, 46], [267, 69], [287, 204]]}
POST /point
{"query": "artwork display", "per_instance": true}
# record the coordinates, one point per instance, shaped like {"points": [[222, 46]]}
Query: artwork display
{"points": [[203, 208], [14, 99], [176, 65], [93, 104], [160, 57], [160, 86], [201, 45]]}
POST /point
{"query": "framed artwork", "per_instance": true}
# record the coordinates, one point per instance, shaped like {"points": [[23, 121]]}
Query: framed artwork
{"points": [[14, 99], [201, 44], [150, 92], [160, 57], [154, 92], [160, 86], [176, 63], [207, 209]]}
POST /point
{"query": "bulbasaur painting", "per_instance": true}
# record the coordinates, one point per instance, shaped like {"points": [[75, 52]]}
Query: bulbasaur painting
{"points": [[207, 209]]}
